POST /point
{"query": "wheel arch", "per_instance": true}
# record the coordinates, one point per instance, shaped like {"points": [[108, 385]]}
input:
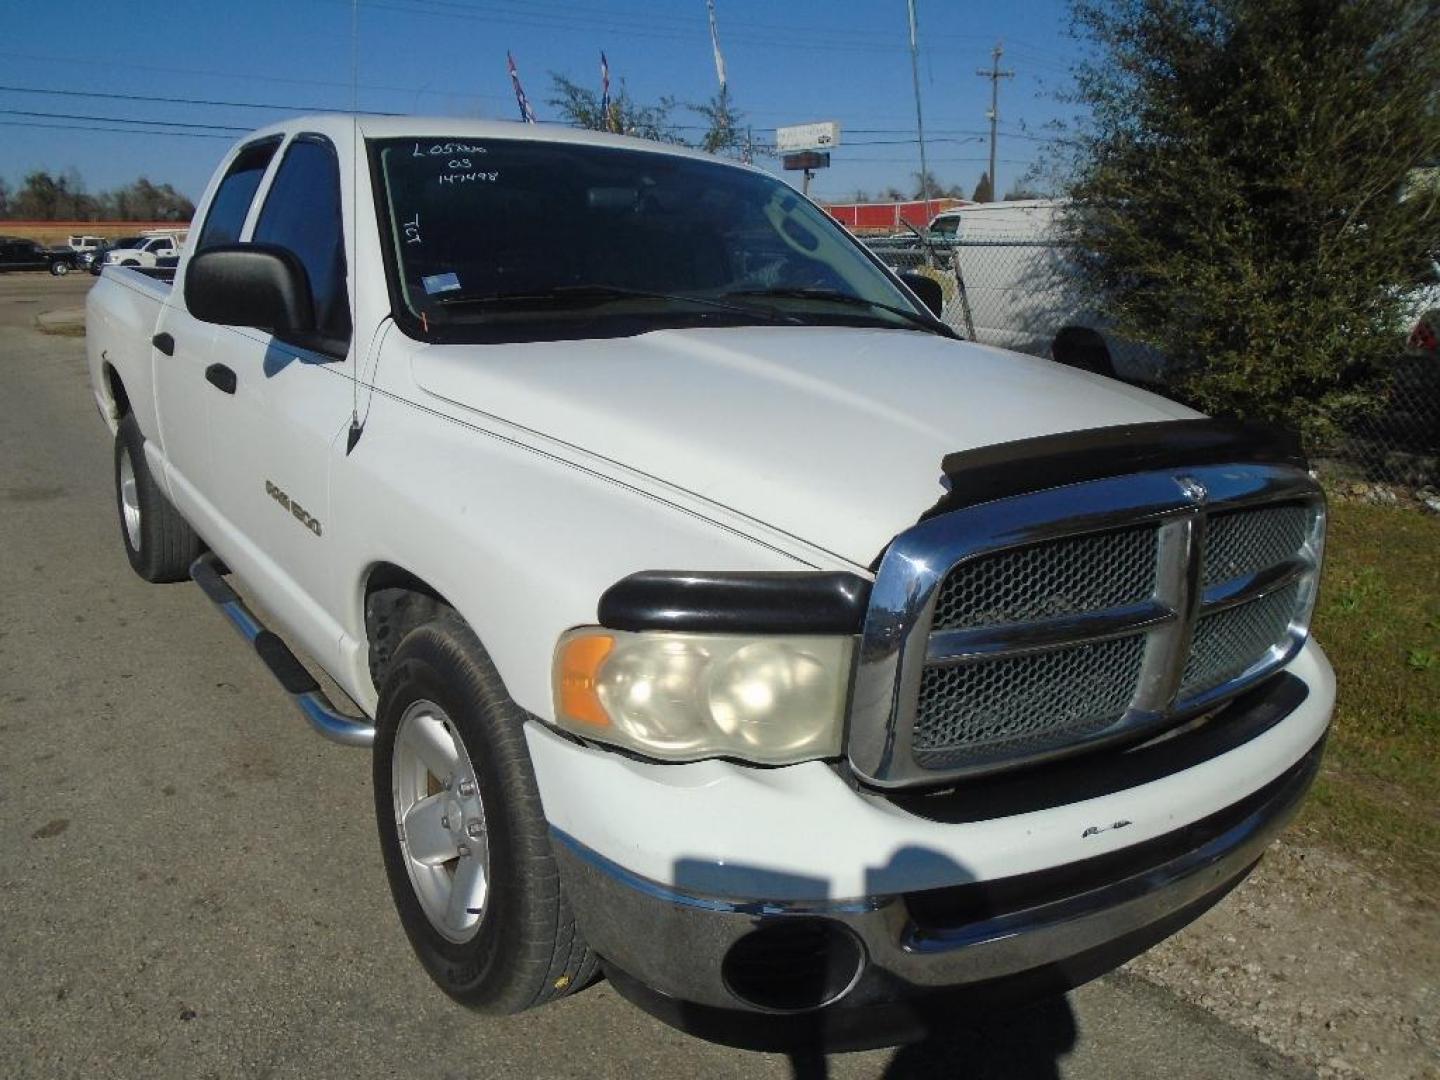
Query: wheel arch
{"points": [[393, 601], [1083, 347], [115, 387]]}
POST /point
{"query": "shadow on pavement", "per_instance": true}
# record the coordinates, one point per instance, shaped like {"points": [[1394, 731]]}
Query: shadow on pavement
{"points": [[1026, 1044]]}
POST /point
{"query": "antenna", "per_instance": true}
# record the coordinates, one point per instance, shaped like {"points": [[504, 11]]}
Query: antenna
{"points": [[919, 121], [353, 436]]}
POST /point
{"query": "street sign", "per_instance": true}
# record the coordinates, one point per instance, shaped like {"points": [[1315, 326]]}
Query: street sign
{"points": [[807, 160], [822, 136]]}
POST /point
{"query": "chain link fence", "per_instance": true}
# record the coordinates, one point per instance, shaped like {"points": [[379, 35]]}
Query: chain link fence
{"points": [[1029, 296]]}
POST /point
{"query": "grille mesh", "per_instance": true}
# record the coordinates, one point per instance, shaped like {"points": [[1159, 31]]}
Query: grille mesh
{"points": [[1228, 642], [1243, 541], [1060, 577], [1021, 705]]}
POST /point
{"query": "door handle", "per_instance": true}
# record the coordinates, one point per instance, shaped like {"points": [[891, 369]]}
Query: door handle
{"points": [[220, 377], [165, 343]]}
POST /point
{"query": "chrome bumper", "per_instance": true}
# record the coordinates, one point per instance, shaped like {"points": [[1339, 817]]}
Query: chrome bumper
{"points": [[669, 948]]}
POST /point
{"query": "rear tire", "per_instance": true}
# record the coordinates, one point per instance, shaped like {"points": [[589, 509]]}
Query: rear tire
{"points": [[59, 269], [477, 889], [158, 542]]}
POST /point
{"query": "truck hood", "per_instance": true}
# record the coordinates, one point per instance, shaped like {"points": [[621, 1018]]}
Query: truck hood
{"points": [[833, 435]]}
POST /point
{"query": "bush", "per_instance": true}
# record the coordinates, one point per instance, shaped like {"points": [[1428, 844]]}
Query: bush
{"points": [[1243, 191]]}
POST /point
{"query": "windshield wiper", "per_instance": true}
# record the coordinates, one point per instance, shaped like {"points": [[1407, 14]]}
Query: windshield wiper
{"points": [[929, 322], [580, 295]]}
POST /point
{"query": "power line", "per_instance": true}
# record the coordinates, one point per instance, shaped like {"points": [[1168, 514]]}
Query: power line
{"points": [[230, 128], [113, 130], [110, 95], [247, 76], [593, 25], [939, 134]]}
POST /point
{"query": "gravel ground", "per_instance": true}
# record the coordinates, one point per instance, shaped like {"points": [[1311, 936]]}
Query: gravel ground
{"points": [[1319, 959]]}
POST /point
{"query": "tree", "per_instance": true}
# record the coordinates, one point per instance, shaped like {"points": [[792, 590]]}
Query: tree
{"points": [[1237, 190], [725, 125], [4, 198], [76, 204], [38, 197], [984, 190], [580, 106], [1023, 191], [938, 188]]}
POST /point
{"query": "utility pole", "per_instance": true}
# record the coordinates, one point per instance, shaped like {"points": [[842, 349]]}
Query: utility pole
{"points": [[919, 120], [994, 75]]}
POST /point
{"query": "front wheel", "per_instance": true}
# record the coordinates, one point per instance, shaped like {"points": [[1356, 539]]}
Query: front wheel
{"points": [[462, 832], [59, 269], [159, 543]]}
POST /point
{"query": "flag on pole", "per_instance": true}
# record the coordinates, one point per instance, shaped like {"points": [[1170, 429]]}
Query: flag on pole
{"points": [[526, 113], [715, 44], [605, 92]]}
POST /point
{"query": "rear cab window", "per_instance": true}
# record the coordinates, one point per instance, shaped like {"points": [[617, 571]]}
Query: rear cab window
{"points": [[228, 209]]}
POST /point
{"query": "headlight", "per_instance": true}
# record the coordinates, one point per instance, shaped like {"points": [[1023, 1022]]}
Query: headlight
{"points": [[771, 699]]}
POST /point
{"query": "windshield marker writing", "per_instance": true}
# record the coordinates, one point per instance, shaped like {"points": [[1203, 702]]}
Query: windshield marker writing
{"points": [[469, 178]]}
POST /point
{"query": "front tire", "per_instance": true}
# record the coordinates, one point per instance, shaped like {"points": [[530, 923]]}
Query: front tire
{"points": [[158, 542], [59, 269], [464, 839]]}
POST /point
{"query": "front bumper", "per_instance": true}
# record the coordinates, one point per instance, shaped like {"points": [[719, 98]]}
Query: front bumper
{"points": [[871, 970]]}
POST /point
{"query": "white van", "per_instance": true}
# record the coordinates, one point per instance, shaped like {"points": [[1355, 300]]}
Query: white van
{"points": [[1025, 292]]}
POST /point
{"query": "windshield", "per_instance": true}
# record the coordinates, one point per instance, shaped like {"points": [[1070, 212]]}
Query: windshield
{"points": [[129, 241], [502, 239]]}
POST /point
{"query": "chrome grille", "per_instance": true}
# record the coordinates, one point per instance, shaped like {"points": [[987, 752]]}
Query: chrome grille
{"points": [[1063, 577], [1023, 704], [1244, 541], [1227, 642], [1034, 626]]}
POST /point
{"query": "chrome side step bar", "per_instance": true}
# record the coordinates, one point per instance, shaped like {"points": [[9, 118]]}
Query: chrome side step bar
{"points": [[280, 661]]}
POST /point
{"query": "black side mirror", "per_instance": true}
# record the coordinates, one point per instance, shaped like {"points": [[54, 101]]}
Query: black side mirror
{"points": [[259, 285], [930, 292]]}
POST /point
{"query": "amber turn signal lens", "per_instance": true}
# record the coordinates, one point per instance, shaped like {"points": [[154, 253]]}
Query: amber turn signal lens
{"points": [[580, 660]]}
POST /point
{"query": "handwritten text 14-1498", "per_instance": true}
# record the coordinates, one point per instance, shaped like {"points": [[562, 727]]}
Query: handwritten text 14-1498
{"points": [[470, 178]]}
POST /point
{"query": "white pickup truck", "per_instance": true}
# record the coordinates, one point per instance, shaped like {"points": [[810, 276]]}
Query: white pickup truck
{"points": [[148, 249], [715, 617]]}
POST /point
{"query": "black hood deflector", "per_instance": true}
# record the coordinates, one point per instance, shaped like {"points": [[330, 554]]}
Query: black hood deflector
{"points": [[1073, 457]]}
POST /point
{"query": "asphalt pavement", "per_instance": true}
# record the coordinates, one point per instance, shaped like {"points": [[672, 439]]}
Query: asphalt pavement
{"points": [[190, 884]]}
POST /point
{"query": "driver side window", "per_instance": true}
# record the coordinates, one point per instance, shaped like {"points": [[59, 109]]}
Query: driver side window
{"points": [[302, 213]]}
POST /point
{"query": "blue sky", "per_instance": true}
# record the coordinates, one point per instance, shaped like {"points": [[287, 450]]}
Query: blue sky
{"points": [[795, 62]]}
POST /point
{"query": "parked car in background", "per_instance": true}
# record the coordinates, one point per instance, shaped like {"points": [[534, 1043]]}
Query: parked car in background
{"points": [[17, 253], [94, 261], [84, 245], [1023, 290], [1422, 322], [143, 251]]}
